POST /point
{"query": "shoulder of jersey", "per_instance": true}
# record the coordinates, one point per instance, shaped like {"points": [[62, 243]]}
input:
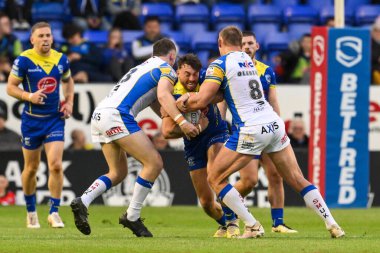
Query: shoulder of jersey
{"points": [[261, 64]]}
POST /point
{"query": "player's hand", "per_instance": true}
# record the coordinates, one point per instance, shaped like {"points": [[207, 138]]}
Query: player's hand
{"points": [[66, 109], [189, 130], [181, 103], [37, 97]]}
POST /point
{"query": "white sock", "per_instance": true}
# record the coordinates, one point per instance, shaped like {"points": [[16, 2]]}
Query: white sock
{"points": [[97, 188], [314, 200], [139, 195], [231, 197]]}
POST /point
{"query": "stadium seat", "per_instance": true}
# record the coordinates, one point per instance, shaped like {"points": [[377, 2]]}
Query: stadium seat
{"points": [[96, 37], [129, 37], [297, 30], [205, 41], [366, 14], [182, 40], [24, 37], [2, 4], [57, 36], [277, 41], [190, 29], [163, 11], [318, 5], [328, 12], [188, 15], [47, 11], [300, 14], [281, 4], [355, 4], [227, 14], [258, 13], [261, 30]]}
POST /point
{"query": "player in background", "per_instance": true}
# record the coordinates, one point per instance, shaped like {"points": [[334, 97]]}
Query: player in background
{"points": [[201, 150], [41, 70], [113, 125], [275, 187], [258, 130]]}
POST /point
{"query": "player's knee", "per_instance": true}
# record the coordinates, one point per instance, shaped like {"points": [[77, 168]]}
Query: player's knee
{"points": [[274, 179], [249, 182], [55, 166], [206, 203]]}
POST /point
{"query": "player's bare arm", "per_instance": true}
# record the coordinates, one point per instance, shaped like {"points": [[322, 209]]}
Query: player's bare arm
{"points": [[15, 91], [273, 101], [156, 108], [166, 99], [198, 101], [68, 93]]}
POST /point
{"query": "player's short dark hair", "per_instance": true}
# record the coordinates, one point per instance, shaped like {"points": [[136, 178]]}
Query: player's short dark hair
{"points": [[192, 60], [39, 25], [151, 18], [70, 30], [231, 36], [249, 33], [163, 47]]}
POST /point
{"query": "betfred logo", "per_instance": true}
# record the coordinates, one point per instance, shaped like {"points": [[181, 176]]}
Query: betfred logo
{"points": [[349, 51], [114, 131], [374, 109], [47, 83], [318, 50]]}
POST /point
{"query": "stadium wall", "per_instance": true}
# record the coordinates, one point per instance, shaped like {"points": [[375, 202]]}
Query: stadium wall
{"points": [[173, 187]]}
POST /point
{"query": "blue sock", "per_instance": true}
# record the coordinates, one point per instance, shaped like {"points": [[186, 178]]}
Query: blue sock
{"points": [[107, 181], [277, 216], [54, 205], [30, 201], [230, 215], [222, 221], [143, 182]]}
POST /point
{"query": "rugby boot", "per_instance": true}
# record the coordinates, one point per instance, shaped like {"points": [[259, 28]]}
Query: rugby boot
{"points": [[221, 232], [336, 231], [137, 227], [32, 220], [283, 229], [55, 221], [233, 229], [254, 231], [80, 216]]}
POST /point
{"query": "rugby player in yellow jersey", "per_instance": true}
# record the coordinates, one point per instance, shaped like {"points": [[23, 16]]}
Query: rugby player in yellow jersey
{"points": [[275, 187]]}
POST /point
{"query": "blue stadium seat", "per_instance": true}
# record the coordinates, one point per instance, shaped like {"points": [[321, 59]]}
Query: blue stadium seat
{"points": [[284, 3], [328, 12], [355, 4], [57, 36], [300, 14], [366, 14], [227, 14], [258, 13], [96, 37], [263, 29], [205, 41], [182, 40], [2, 4], [319, 4], [129, 37], [163, 11], [277, 41], [24, 37], [297, 30], [192, 17], [47, 11]]}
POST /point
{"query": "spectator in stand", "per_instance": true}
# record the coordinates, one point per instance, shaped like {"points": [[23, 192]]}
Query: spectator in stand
{"points": [[84, 57], [10, 47], [78, 141], [297, 134], [7, 198], [160, 143], [116, 58], [295, 63], [125, 13], [89, 14], [20, 12], [330, 22], [9, 140], [142, 47], [375, 51]]}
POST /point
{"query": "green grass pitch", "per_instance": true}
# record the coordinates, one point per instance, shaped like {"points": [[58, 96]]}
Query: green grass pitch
{"points": [[186, 229]]}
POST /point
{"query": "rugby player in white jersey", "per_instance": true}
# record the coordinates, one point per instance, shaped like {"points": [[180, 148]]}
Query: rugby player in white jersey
{"points": [[235, 75], [113, 125]]}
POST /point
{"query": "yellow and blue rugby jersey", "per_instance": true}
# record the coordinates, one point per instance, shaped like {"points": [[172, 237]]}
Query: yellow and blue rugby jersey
{"points": [[37, 72], [267, 77], [216, 123], [243, 92], [137, 89]]}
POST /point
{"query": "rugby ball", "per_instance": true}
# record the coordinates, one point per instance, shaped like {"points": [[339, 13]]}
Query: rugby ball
{"points": [[193, 117]]}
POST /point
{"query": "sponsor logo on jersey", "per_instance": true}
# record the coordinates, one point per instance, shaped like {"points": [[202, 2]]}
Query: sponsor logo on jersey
{"points": [[114, 131], [37, 69], [269, 128], [60, 69], [210, 71], [246, 64], [268, 78], [284, 139], [47, 83], [349, 51]]}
